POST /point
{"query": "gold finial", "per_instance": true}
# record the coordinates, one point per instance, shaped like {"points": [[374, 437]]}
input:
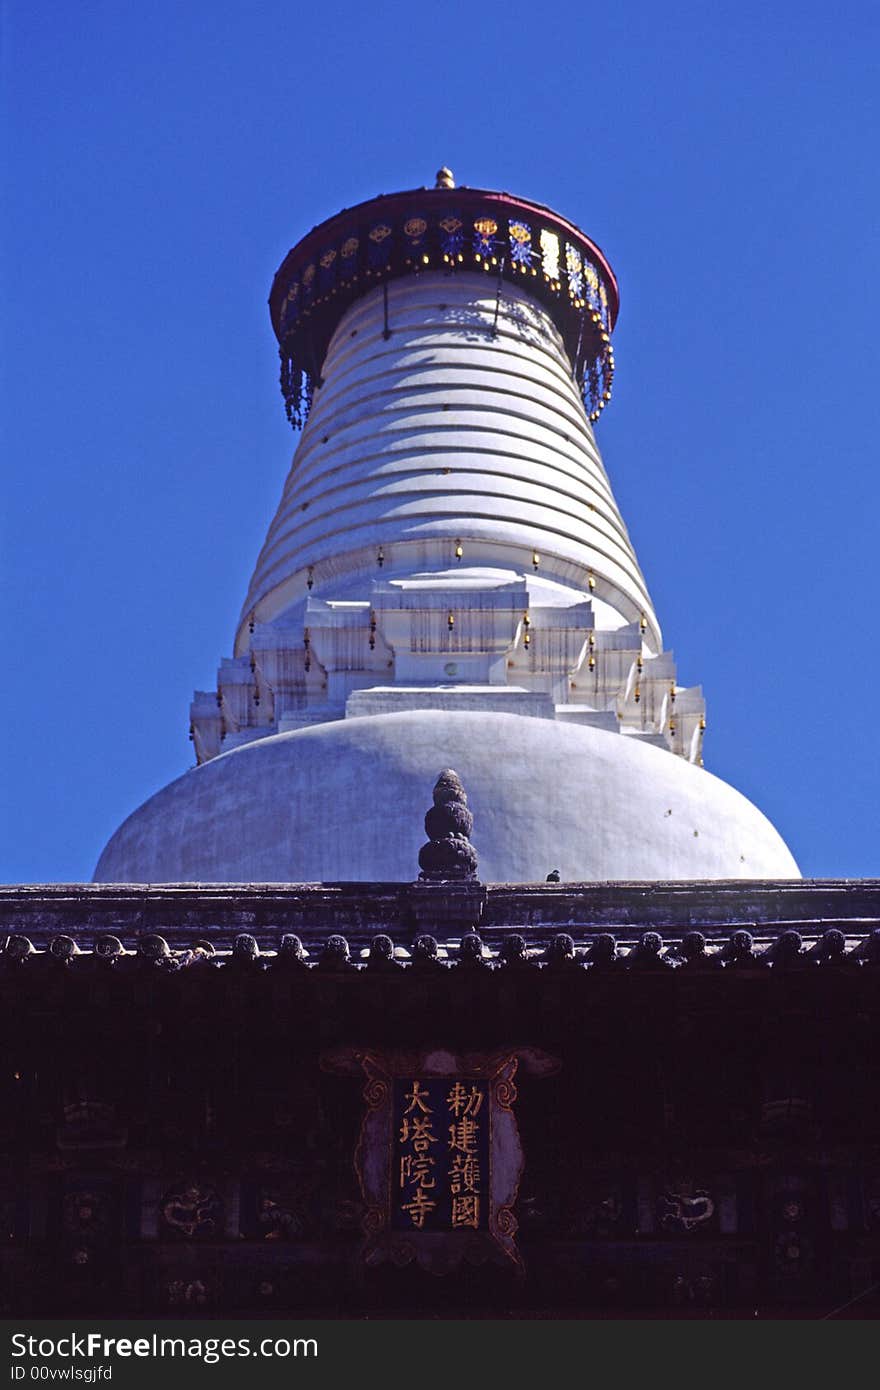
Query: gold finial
{"points": [[445, 178]]}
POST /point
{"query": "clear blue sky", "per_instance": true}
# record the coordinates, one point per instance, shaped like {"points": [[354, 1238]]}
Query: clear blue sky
{"points": [[162, 158]]}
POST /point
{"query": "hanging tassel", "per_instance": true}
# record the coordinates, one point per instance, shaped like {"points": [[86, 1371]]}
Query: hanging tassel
{"points": [[292, 390], [592, 387]]}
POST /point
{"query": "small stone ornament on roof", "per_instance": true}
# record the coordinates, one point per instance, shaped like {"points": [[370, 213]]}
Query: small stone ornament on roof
{"points": [[449, 854]]}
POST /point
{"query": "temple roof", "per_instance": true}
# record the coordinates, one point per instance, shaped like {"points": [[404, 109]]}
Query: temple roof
{"points": [[757, 926]]}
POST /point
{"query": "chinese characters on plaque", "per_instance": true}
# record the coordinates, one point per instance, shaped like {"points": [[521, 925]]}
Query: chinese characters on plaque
{"points": [[440, 1169], [438, 1157]]}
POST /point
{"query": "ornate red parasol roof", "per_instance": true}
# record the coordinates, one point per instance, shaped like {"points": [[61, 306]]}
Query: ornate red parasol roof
{"points": [[448, 229]]}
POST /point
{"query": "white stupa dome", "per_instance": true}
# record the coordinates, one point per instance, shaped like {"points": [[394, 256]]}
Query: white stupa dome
{"points": [[346, 801], [447, 582]]}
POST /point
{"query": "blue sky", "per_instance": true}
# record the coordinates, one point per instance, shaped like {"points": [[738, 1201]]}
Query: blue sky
{"points": [[161, 160]]}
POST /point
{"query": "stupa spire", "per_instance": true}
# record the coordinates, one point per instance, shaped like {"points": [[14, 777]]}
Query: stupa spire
{"points": [[448, 519]]}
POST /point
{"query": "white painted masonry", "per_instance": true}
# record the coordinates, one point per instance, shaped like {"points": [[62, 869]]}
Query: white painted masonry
{"points": [[447, 582]]}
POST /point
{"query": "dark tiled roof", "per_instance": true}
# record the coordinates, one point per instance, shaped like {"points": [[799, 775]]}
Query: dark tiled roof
{"points": [[396, 928]]}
